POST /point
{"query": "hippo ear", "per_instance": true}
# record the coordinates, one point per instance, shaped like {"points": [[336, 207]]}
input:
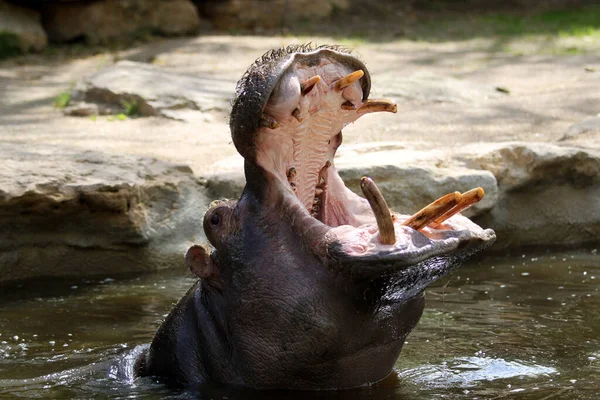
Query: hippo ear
{"points": [[200, 263]]}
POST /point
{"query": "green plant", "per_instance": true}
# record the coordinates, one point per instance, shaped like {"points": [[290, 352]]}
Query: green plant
{"points": [[130, 107], [62, 100], [118, 117]]}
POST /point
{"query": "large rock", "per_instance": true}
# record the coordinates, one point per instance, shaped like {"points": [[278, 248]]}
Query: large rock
{"points": [[153, 90], [248, 14], [100, 22], [68, 213], [549, 195], [20, 30], [526, 166]]}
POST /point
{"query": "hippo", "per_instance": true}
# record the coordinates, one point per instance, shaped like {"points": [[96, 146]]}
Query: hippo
{"points": [[309, 286]]}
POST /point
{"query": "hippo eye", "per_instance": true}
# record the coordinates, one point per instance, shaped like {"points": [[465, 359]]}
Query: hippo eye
{"points": [[215, 219]]}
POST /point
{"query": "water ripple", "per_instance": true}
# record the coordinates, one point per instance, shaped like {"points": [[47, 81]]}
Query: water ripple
{"points": [[468, 372]]}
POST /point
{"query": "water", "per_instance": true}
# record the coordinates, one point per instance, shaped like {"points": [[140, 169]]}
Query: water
{"points": [[525, 327]]}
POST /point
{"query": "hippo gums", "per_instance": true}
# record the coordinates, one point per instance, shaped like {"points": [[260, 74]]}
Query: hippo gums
{"points": [[309, 285]]}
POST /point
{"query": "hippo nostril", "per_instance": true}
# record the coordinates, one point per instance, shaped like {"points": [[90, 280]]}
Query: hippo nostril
{"points": [[215, 219]]}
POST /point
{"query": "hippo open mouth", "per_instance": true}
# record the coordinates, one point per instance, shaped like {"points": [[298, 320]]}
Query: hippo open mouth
{"points": [[291, 107], [309, 286]]}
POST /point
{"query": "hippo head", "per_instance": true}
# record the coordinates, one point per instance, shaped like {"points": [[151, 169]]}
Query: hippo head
{"points": [[317, 287]]}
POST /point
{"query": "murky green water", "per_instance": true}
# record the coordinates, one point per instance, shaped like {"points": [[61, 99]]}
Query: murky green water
{"points": [[526, 327]]}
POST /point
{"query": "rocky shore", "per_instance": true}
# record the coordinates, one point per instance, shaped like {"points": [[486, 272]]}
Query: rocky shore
{"points": [[118, 180]]}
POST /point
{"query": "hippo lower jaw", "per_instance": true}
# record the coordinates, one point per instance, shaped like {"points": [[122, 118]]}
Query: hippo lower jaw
{"points": [[355, 245]]}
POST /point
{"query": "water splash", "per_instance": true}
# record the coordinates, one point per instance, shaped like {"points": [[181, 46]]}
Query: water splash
{"points": [[468, 372]]}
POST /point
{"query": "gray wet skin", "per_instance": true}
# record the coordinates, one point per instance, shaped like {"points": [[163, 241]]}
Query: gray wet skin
{"points": [[298, 292]]}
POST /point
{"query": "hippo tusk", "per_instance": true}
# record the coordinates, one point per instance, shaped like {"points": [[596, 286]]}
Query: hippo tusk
{"points": [[307, 86], [268, 122], [434, 210], [348, 80], [370, 106], [387, 234], [469, 198]]}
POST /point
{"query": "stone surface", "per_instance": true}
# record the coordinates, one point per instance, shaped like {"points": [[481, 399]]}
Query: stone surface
{"points": [[587, 126], [549, 195], [429, 88], [73, 213], [153, 90], [101, 22], [20, 27], [519, 166], [248, 14], [83, 109]]}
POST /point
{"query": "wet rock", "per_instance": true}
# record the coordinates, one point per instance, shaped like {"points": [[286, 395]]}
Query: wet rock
{"points": [[549, 195], [69, 213], [99, 22], [255, 14], [152, 91], [20, 30], [427, 88]]}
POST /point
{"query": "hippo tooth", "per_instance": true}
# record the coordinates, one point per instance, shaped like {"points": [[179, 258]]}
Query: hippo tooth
{"points": [[383, 217], [298, 115], [430, 213], [469, 198], [291, 174], [378, 105], [348, 80], [268, 122], [307, 86]]}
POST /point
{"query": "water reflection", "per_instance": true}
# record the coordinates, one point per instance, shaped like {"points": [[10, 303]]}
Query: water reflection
{"points": [[521, 327]]}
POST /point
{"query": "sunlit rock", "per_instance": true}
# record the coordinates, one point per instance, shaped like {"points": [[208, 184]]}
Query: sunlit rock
{"points": [[65, 212]]}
